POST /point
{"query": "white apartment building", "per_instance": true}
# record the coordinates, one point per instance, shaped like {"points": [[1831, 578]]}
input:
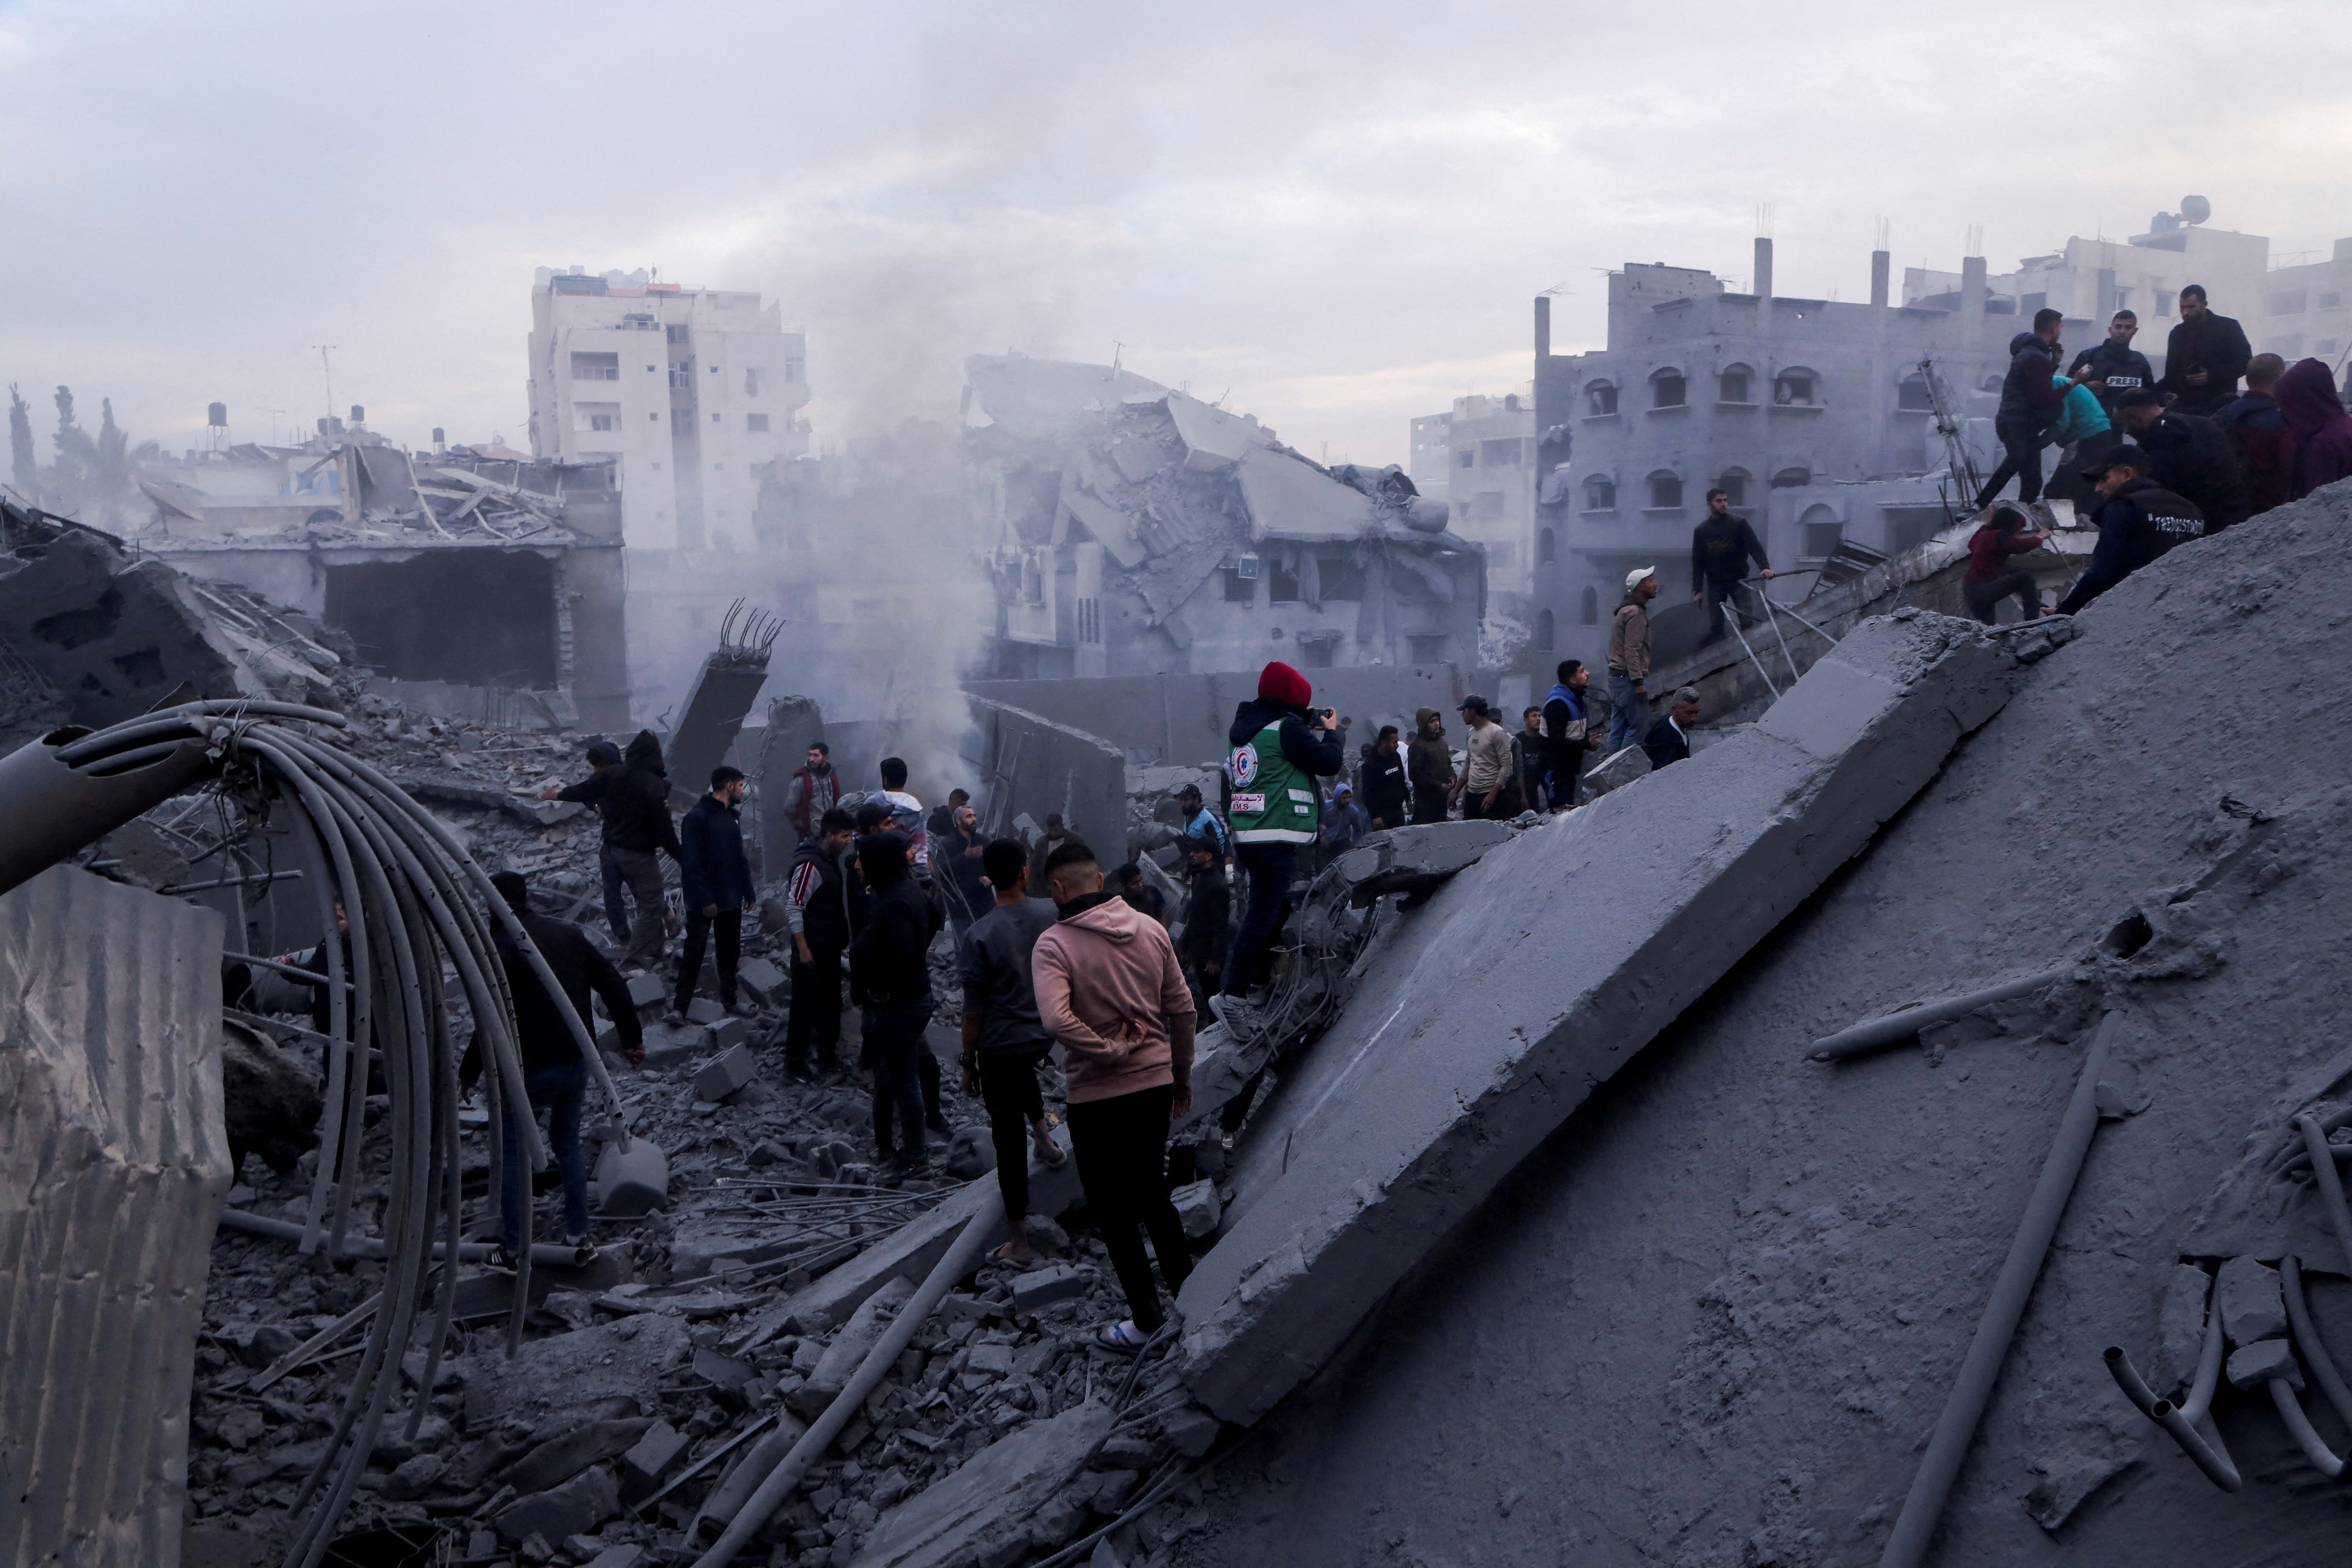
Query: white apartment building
{"points": [[1480, 460], [691, 392], [1429, 468]]}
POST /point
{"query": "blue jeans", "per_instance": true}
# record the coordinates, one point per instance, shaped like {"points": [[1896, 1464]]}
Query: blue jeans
{"points": [[896, 1035], [560, 1091], [1269, 867], [1628, 715]]}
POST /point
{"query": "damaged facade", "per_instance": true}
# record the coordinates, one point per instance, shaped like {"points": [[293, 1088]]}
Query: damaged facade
{"points": [[1133, 530]]}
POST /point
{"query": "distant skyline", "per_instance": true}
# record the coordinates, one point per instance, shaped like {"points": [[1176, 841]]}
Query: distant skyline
{"points": [[1335, 216]]}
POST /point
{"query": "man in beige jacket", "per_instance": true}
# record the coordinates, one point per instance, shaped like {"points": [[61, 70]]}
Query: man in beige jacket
{"points": [[1629, 661], [1111, 993]]}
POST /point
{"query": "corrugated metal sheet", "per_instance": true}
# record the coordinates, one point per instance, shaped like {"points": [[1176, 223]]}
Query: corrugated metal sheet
{"points": [[113, 1164]]}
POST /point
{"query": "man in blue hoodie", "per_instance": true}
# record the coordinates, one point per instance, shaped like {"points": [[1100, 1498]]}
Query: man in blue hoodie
{"points": [[1570, 735], [2030, 397], [1281, 748]]}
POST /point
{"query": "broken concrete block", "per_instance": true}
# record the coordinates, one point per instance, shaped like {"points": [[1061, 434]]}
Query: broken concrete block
{"points": [[841, 1358], [1608, 921], [647, 990], [990, 1361], [646, 1465], [667, 1047], [2251, 1366], [631, 1181], [566, 1373], [560, 1458], [703, 1010], [730, 1032], [2246, 1294], [762, 981], [1043, 1287], [971, 1154], [727, 1073], [625, 1556], [1192, 1430], [1614, 771], [575, 1508], [987, 1511], [1406, 859], [2181, 1328], [1196, 1205]]}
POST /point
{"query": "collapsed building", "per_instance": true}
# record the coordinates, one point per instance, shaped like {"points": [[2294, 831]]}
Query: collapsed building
{"points": [[1134, 530]]}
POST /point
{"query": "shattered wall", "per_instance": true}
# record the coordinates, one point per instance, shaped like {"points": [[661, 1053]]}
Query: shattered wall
{"points": [[1027, 764], [111, 1177]]}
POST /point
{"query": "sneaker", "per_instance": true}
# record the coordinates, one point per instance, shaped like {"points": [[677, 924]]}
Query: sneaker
{"points": [[1234, 1014]]}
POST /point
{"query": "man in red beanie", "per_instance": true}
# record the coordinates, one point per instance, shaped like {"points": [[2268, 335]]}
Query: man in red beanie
{"points": [[1281, 748]]}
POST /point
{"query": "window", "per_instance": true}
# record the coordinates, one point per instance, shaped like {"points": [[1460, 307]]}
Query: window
{"points": [[1487, 506], [1666, 491], [604, 421], [1822, 531], [1792, 478], [1281, 583], [1793, 389], [1599, 398], [1666, 389], [1240, 590], [1500, 454], [676, 333], [651, 368], [1732, 483], [1468, 459], [750, 382], [655, 417], [1543, 632], [2286, 304], [2164, 296], [2288, 346], [1425, 647], [1732, 385], [1544, 548], [1588, 607], [714, 418], [2325, 348], [1337, 575], [796, 370], [714, 370], [594, 416], [596, 367], [1915, 395], [755, 422], [1600, 494], [2330, 301]]}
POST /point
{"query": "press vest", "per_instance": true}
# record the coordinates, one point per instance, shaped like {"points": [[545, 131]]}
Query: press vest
{"points": [[1273, 801]]}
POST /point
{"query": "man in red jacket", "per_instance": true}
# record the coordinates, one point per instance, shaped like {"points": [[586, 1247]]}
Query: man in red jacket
{"points": [[1111, 993]]}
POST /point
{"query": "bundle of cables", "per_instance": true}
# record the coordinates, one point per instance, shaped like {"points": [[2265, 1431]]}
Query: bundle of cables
{"points": [[418, 915]]}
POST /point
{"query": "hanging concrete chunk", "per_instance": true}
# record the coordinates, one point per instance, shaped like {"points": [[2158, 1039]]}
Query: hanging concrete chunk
{"points": [[1588, 935]]}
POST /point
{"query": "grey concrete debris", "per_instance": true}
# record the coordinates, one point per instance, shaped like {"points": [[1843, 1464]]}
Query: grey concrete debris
{"points": [[1416, 859], [649, 1461], [762, 981], [631, 1181], [269, 1099], [2246, 1294], [1614, 771], [849, 1347], [995, 1510], [726, 1073], [575, 1508], [1041, 1287], [629, 1358], [2181, 1328], [1426, 1093], [1197, 1207], [2252, 1365], [562, 1457]]}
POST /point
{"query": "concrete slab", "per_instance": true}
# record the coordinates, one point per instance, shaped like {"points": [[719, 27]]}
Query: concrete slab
{"points": [[1044, 1286], [1614, 771], [989, 1511], [2252, 1306], [1611, 920], [730, 1032], [726, 1073]]}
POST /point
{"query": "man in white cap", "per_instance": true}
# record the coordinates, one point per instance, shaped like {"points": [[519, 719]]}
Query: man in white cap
{"points": [[1629, 660]]}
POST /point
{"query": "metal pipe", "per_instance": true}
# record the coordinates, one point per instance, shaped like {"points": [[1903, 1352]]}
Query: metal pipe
{"points": [[1732, 621], [54, 811], [264, 880], [1895, 1027], [1972, 1390], [2215, 1463], [2331, 1185], [2307, 1341], [960, 1260], [2298, 1424]]}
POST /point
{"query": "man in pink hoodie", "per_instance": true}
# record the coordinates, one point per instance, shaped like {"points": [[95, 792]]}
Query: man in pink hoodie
{"points": [[1111, 993]]}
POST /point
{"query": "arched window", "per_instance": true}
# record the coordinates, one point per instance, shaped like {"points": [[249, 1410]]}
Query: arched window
{"points": [[1600, 494], [1732, 385], [1823, 531], [1792, 478], [1588, 607], [1732, 483], [1914, 396], [1665, 490], [1599, 397], [1796, 387], [1989, 384], [1543, 631], [1543, 551], [1667, 388]]}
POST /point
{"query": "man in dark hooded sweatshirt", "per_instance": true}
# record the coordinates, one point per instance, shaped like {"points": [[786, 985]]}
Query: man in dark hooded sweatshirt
{"points": [[603, 762], [890, 978], [634, 801], [1280, 749], [2313, 410], [2265, 446]]}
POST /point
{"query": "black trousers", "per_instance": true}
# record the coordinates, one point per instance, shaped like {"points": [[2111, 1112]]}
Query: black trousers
{"points": [[1429, 804], [814, 1025], [1121, 1145], [616, 906], [1506, 803], [1719, 590], [1009, 1088], [895, 1037], [1269, 867], [1566, 777], [2022, 462], [872, 1028], [1984, 598], [727, 926]]}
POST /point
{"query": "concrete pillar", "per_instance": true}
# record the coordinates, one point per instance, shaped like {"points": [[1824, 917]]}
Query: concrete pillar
{"points": [[1762, 284], [1543, 330], [1968, 343], [1881, 265]]}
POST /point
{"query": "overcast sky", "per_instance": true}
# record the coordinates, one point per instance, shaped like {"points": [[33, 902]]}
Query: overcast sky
{"points": [[1337, 213]]}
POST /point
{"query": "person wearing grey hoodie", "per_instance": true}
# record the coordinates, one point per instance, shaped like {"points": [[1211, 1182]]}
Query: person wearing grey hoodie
{"points": [[1111, 993]]}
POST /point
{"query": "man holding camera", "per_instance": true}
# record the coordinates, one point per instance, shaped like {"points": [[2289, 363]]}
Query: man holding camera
{"points": [[1280, 748]]}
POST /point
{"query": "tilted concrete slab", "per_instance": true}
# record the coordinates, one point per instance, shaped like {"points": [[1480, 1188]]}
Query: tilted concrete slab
{"points": [[1537, 973]]}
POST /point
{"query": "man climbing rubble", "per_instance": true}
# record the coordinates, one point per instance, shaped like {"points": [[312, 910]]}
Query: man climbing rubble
{"points": [[890, 980], [814, 790], [822, 909], [1005, 1045], [715, 884], [633, 799], [1109, 993], [1280, 748], [2138, 522], [554, 1077]]}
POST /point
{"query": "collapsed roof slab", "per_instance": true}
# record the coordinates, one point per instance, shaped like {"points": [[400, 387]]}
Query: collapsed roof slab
{"points": [[1600, 926]]}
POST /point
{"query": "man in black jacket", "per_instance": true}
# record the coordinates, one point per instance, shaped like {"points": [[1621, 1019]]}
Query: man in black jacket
{"points": [[634, 801], [2030, 399], [604, 757], [1380, 785], [890, 979], [1668, 740], [2114, 365], [1570, 731], [1208, 917], [2203, 357], [1721, 547], [715, 884], [823, 910], [2138, 522], [1309, 744], [2192, 457], [554, 1077]]}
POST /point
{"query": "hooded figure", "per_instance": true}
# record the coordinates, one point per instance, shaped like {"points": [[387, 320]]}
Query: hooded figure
{"points": [[1428, 764], [2313, 410], [637, 804]]}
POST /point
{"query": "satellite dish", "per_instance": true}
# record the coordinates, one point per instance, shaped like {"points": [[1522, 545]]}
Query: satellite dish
{"points": [[2195, 210]]}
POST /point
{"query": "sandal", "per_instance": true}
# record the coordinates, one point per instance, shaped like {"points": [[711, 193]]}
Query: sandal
{"points": [[1122, 1336]]}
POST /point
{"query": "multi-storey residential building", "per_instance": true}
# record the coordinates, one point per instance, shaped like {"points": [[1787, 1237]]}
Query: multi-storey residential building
{"points": [[1490, 464], [690, 393], [1432, 463]]}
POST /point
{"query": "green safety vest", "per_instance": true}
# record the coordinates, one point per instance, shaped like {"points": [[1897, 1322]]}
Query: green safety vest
{"points": [[1273, 802]]}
